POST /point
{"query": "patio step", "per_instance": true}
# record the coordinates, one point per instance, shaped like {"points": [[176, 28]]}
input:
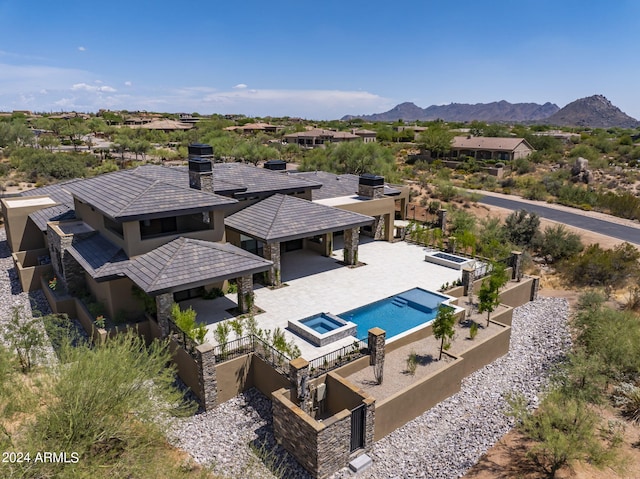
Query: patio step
{"points": [[399, 302]]}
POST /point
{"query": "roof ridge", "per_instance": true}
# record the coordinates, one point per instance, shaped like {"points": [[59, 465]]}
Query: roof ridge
{"points": [[276, 213], [167, 263]]}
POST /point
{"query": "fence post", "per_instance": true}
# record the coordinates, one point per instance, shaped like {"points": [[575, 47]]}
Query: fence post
{"points": [[206, 360], [376, 344]]}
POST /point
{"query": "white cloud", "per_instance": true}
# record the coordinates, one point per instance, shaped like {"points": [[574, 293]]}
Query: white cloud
{"points": [[240, 86], [86, 87], [82, 49], [128, 83]]}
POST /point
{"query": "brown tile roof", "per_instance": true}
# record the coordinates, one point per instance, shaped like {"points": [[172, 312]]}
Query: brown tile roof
{"points": [[487, 143], [283, 218], [126, 197], [188, 263]]}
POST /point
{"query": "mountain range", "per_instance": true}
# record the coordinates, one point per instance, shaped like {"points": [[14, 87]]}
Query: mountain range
{"points": [[594, 111]]}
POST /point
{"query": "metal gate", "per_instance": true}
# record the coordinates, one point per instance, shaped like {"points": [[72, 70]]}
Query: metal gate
{"points": [[358, 425]]}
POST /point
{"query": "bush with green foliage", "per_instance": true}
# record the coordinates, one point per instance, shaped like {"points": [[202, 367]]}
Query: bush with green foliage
{"points": [[558, 243], [186, 321], [564, 430], [103, 402], [522, 228], [602, 267]]}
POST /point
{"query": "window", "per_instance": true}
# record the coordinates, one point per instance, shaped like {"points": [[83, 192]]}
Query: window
{"points": [[113, 226], [158, 227]]}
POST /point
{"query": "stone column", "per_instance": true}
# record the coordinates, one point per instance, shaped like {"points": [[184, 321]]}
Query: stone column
{"points": [[351, 239], [535, 286], [516, 265], [299, 377], [376, 344], [442, 219], [271, 251], [468, 275], [327, 245], [388, 227], [378, 227], [163, 306], [206, 359], [245, 293], [451, 244]]}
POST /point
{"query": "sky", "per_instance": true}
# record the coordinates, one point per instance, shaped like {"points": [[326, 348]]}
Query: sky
{"points": [[315, 60]]}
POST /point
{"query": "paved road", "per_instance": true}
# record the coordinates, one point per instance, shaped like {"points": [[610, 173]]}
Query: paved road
{"points": [[625, 233]]}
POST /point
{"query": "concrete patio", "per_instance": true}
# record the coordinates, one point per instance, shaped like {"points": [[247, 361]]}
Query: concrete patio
{"points": [[315, 284]]}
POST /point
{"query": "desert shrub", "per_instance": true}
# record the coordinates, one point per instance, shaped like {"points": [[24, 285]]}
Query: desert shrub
{"points": [[412, 363], [521, 227], [557, 243], [564, 430], [186, 321], [103, 403], [584, 151], [602, 267]]}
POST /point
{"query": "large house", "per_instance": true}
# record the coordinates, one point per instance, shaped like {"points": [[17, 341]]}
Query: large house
{"points": [[176, 232], [318, 137], [488, 148]]}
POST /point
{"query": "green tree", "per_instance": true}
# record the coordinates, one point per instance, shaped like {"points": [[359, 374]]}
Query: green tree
{"points": [[436, 139], [443, 327], [489, 294]]}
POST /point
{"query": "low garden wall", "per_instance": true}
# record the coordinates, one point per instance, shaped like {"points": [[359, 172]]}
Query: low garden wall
{"points": [[29, 270], [404, 406]]}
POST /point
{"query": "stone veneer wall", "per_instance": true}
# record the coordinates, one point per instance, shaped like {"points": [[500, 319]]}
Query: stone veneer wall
{"points": [[272, 253], [67, 269], [324, 447], [351, 239]]}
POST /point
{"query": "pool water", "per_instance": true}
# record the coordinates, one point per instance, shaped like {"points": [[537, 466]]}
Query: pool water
{"points": [[396, 314], [321, 323]]}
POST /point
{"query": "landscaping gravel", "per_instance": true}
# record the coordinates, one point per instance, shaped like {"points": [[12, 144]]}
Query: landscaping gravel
{"points": [[11, 294], [442, 443]]}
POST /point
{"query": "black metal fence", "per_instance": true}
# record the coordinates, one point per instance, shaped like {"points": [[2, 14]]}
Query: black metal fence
{"points": [[335, 359], [279, 361], [234, 349]]}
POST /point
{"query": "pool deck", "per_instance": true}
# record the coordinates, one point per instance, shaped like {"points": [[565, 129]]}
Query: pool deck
{"points": [[316, 284]]}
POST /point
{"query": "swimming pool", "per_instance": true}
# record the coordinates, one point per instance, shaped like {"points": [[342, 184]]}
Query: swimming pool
{"points": [[396, 314]]}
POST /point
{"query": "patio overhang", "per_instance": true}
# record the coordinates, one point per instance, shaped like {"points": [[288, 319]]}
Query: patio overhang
{"points": [[186, 263], [282, 218]]}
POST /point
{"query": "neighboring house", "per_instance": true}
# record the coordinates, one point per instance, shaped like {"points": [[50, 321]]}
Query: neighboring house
{"points": [[164, 125], [255, 128], [176, 232], [368, 136], [487, 148], [319, 137]]}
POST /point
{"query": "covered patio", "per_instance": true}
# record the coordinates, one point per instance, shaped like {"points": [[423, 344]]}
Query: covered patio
{"points": [[280, 221], [185, 264]]}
